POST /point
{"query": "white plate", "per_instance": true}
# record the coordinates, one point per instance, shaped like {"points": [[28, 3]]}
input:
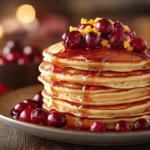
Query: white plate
{"points": [[8, 101]]}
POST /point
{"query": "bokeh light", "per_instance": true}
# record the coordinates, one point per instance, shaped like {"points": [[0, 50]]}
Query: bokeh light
{"points": [[25, 13], [1, 31]]}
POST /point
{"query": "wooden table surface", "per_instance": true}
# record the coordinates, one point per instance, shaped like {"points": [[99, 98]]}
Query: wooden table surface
{"points": [[11, 139]]}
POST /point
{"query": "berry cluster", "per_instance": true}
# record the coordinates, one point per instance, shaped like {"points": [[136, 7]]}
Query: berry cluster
{"points": [[13, 53], [102, 33], [140, 124], [31, 111]]}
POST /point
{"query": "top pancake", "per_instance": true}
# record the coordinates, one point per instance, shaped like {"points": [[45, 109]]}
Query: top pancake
{"points": [[103, 59]]}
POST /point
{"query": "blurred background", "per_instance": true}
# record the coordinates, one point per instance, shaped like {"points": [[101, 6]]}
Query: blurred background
{"points": [[36, 23]]}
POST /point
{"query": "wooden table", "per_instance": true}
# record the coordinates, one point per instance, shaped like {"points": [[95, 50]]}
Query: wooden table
{"points": [[11, 139]]}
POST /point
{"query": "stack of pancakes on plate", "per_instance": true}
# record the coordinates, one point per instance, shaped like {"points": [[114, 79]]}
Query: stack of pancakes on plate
{"points": [[106, 85]]}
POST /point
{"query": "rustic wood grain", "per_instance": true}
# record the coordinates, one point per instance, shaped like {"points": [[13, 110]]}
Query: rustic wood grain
{"points": [[11, 139]]}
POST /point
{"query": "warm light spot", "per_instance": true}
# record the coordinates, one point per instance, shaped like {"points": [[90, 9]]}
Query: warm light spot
{"points": [[1, 31], [25, 13]]}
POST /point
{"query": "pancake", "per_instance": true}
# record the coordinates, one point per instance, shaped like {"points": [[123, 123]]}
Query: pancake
{"points": [[97, 59], [122, 80], [85, 123], [94, 95]]}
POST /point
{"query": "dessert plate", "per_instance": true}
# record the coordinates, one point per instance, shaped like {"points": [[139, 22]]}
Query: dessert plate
{"points": [[9, 100]]}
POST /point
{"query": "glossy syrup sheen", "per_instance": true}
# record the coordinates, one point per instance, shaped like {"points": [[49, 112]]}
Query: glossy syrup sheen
{"points": [[93, 55]]}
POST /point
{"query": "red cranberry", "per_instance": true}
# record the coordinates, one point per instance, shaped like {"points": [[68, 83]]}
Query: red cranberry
{"points": [[82, 26], [139, 44], [3, 88], [98, 126], [63, 38], [92, 40], [37, 59], [2, 60], [23, 60], [118, 26], [26, 115], [104, 26], [31, 51], [131, 34], [39, 116], [74, 40], [141, 124], [57, 119], [123, 126], [31, 103], [20, 107], [117, 39], [39, 99], [13, 56]]}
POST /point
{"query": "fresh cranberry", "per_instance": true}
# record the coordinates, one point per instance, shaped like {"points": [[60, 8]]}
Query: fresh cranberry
{"points": [[117, 39], [31, 103], [21, 107], [39, 99], [104, 26], [63, 38], [3, 88], [92, 40], [23, 60], [82, 26], [123, 126], [39, 116], [141, 124], [37, 59], [139, 44], [2, 60], [26, 115], [13, 56], [31, 51], [131, 34], [118, 26], [74, 40], [98, 126], [57, 119]]}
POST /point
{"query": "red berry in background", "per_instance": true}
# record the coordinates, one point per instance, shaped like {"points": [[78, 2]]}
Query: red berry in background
{"points": [[63, 38], [39, 99], [104, 26], [92, 40], [23, 60], [3, 88], [82, 26], [118, 26], [141, 124], [2, 60], [57, 119], [98, 126], [26, 115], [117, 39], [123, 126], [74, 40], [131, 34], [13, 56], [31, 51], [21, 107], [139, 44], [37, 59], [39, 116], [33, 104]]}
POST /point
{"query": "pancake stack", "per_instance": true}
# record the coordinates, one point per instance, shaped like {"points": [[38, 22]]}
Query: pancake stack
{"points": [[102, 84]]}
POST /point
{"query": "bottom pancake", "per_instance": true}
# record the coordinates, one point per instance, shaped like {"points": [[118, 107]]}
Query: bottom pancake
{"points": [[85, 123]]}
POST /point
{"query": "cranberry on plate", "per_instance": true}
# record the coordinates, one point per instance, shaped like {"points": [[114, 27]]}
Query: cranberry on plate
{"points": [[98, 126], [123, 126], [39, 99], [20, 107], [33, 104], [57, 119], [141, 124]]}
